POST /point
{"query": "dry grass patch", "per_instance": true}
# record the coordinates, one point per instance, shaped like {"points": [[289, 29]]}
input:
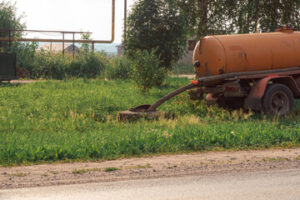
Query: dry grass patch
{"points": [[111, 169], [276, 159], [17, 175]]}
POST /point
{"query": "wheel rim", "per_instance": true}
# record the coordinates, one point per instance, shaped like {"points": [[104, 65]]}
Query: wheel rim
{"points": [[280, 103]]}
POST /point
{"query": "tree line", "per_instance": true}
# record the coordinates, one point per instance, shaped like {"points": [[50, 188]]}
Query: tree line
{"points": [[205, 17]]}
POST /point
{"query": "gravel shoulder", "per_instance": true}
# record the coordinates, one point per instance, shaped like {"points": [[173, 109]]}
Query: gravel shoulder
{"points": [[148, 167]]}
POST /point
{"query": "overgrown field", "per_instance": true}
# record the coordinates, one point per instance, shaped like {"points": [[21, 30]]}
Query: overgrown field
{"points": [[76, 119]]}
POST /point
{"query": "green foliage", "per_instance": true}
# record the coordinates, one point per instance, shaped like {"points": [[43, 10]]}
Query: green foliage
{"points": [[50, 65], [119, 68], [205, 17], [111, 169], [9, 20], [146, 71], [87, 65], [156, 24], [56, 66], [79, 171], [51, 121], [270, 15], [85, 47], [26, 54]]}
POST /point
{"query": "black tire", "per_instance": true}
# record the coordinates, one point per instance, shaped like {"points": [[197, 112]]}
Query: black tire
{"points": [[278, 100]]}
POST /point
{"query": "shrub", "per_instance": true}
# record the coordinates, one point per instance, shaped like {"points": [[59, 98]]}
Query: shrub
{"points": [[119, 68], [22, 73], [146, 70], [56, 66], [26, 55], [87, 65], [50, 65]]}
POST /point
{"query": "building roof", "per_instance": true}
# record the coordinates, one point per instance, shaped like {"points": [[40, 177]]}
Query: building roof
{"points": [[56, 47]]}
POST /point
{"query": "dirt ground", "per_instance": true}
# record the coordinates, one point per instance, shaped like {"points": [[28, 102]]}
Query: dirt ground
{"points": [[148, 167], [26, 81], [189, 76]]}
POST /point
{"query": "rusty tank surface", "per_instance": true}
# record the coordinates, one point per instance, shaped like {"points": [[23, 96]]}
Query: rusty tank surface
{"points": [[222, 54]]}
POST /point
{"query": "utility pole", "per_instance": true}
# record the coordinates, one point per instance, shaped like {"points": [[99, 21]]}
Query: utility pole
{"points": [[125, 18]]}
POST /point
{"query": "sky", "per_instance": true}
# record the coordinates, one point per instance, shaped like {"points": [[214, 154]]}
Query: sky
{"points": [[72, 15]]}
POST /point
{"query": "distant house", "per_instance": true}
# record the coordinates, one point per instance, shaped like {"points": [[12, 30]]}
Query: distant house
{"points": [[58, 47], [71, 48]]}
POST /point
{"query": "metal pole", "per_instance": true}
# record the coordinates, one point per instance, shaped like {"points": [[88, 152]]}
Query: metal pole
{"points": [[93, 47], [113, 21], [59, 40], [73, 45], [63, 50], [125, 19], [43, 31], [9, 43]]}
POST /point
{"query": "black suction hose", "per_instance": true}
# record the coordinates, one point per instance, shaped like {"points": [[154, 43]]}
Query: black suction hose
{"points": [[169, 96]]}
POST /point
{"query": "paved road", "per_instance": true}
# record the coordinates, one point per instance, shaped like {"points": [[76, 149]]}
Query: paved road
{"points": [[273, 185]]}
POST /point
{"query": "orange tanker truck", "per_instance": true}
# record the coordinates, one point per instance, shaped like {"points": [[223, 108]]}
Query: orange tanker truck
{"points": [[258, 71], [253, 71], [214, 55]]}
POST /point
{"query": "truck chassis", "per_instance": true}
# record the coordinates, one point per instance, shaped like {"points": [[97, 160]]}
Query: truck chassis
{"points": [[271, 91]]}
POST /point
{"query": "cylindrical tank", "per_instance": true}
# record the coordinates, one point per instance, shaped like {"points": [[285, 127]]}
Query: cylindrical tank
{"points": [[221, 54]]}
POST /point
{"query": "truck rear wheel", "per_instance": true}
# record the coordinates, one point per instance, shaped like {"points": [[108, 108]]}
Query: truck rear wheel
{"points": [[278, 100]]}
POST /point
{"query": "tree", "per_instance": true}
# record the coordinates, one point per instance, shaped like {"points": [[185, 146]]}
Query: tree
{"points": [[9, 21], [85, 47], [205, 17], [269, 14], [25, 50], [156, 24]]}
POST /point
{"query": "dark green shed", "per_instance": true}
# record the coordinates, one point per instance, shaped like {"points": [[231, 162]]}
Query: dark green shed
{"points": [[8, 66]]}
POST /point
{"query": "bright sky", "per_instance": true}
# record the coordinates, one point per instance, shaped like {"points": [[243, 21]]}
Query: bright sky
{"points": [[73, 15]]}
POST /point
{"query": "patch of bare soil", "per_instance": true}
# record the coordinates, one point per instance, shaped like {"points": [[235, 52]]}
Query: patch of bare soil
{"points": [[22, 81], [189, 76], [148, 167], [25, 81]]}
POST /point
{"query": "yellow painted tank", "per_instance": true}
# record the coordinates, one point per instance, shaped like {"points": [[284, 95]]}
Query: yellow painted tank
{"points": [[221, 54]]}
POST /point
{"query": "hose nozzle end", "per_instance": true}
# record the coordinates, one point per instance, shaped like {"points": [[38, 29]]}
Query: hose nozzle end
{"points": [[195, 83]]}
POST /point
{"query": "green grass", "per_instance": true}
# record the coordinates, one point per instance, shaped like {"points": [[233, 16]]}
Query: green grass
{"points": [[83, 171], [77, 120], [79, 171], [111, 169], [276, 159]]}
